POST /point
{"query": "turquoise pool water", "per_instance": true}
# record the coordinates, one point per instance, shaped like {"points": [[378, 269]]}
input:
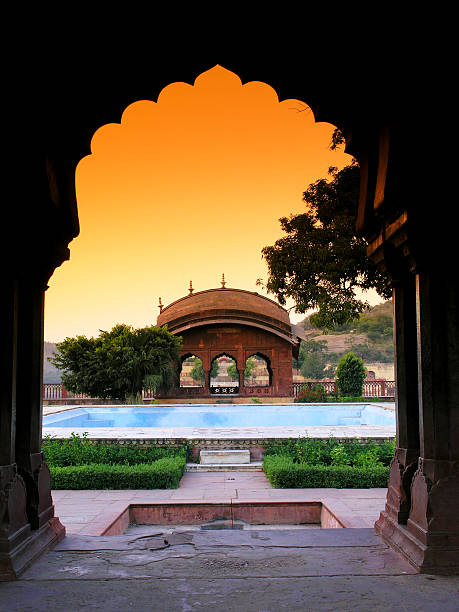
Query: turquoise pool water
{"points": [[222, 415]]}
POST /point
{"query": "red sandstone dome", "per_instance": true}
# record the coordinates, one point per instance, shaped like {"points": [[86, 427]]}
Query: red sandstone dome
{"points": [[217, 306]]}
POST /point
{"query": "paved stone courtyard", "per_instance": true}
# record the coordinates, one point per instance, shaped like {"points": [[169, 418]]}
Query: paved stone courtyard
{"points": [[88, 512], [256, 570]]}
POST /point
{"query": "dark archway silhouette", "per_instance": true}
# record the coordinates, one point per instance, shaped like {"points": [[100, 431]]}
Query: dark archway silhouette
{"points": [[381, 110]]}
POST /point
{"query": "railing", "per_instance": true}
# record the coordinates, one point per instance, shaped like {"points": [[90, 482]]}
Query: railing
{"points": [[376, 387], [52, 391], [57, 391]]}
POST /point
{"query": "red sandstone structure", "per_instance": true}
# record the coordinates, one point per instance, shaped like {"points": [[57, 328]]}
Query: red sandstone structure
{"points": [[385, 104], [239, 324]]}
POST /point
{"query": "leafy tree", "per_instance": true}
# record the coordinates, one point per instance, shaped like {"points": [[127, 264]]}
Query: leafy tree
{"points": [[249, 367], [321, 260], [314, 361], [214, 368], [232, 371], [197, 371], [370, 353], [120, 363], [350, 375]]}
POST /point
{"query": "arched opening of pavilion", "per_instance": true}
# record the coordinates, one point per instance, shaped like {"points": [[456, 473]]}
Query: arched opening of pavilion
{"points": [[258, 373], [224, 375], [191, 372]]}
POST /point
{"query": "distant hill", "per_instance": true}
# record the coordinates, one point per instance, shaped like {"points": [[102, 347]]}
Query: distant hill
{"points": [[50, 373], [371, 337]]}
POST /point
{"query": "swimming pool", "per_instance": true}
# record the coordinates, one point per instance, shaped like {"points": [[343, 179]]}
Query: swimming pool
{"points": [[222, 415]]}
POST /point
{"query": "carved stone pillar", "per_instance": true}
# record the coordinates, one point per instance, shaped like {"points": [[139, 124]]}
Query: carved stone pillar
{"points": [[430, 539], [30, 460], [14, 526], [406, 456], [27, 523], [240, 365], [206, 366], [433, 523]]}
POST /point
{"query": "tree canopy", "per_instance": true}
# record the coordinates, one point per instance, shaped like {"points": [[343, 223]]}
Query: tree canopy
{"points": [[233, 371], [197, 371], [321, 261], [314, 361], [120, 363]]}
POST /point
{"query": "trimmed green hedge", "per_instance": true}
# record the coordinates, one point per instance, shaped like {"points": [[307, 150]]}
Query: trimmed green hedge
{"points": [[330, 451], [78, 450], [162, 474], [283, 473]]}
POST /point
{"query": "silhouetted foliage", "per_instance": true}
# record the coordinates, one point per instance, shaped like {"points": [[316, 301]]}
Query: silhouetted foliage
{"points": [[321, 260]]}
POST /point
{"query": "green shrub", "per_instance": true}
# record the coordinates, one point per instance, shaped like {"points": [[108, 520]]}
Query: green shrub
{"points": [[323, 451], [283, 473], [350, 375], [315, 394], [367, 458], [78, 450], [332, 398], [162, 474], [339, 455]]}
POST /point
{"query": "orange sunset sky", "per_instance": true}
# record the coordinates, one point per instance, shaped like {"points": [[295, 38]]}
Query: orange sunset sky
{"points": [[185, 188]]}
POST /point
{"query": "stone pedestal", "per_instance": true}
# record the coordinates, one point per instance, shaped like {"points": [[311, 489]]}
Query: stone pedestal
{"points": [[224, 456], [430, 539]]}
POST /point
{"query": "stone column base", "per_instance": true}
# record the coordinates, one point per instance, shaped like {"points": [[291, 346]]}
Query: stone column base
{"points": [[14, 561], [426, 559]]}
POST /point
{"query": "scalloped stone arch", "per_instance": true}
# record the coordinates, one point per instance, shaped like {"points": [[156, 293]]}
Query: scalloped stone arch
{"points": [[183, 358], [267, 360], [224, 354]]}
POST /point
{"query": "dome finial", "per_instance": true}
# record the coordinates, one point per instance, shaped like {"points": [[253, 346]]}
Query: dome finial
{"points": [[191, 288], [160, 306], [223, 281]]}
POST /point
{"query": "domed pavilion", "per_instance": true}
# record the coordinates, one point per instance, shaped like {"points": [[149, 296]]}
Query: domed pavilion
{"points": [[238, 326]]}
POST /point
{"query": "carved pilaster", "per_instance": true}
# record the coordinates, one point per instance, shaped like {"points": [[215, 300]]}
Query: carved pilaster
{"points": [[398, 502], [14, 526], [206, 381], [430, 540], [37, 480]]}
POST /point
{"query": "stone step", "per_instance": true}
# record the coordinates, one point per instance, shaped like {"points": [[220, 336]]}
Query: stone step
{"points": [[255, 466], [224, 456]]}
